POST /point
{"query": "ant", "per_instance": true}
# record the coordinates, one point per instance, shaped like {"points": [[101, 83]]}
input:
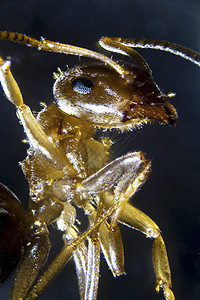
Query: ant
{"points": [[67, 168]]}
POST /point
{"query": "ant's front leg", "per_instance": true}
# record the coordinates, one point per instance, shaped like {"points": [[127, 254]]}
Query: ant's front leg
{"points": [[35, 134]]}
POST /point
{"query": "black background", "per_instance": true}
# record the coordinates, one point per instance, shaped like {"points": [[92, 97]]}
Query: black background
{"points": [[171, 195]]}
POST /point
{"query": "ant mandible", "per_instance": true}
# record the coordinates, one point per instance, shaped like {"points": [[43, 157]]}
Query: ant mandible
{"points": [[67, 168]]}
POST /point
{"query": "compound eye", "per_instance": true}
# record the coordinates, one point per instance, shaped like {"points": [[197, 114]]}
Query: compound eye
{"points": [[82, 85]]}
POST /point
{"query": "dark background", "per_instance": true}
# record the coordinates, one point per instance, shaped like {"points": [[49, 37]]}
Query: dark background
{"points": [[171, 195]]}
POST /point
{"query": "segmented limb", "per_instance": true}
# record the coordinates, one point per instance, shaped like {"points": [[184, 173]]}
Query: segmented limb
{"points": [[93, 266], [35, 134], [80, 258], [107, 243], [136, 219], [125, 175], [92, 276]]}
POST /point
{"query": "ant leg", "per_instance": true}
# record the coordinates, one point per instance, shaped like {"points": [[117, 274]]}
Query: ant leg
{"points": [[80, 257], [127, 173], [110, 245], [87, 259], [93, 265], [124, 175], [92, 275], [136, 219], [36, 136]]}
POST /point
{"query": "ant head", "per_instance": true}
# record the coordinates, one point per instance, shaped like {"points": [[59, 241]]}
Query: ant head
{"points": [[97, 93]]}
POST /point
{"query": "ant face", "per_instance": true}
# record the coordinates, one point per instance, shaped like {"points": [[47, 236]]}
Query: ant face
{"points": [[98, 94]]}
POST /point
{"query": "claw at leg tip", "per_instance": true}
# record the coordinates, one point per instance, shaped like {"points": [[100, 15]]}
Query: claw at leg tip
{"points": [[168, 294]]}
